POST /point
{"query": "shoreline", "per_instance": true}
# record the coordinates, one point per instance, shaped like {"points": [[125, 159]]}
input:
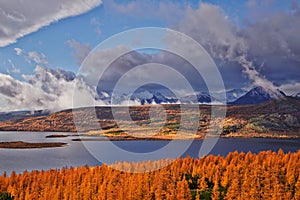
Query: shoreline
{"points": [[126, 138], [159, 137]]}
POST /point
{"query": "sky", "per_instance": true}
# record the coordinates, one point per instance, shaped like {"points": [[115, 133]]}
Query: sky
{"points": [[42, 45]]}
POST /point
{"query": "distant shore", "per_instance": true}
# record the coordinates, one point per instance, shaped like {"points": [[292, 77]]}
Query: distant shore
{"points": [[122, 137], [130, 138], [117, 138]]}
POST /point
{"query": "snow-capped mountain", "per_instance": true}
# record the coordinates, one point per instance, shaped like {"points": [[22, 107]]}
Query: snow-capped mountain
{"points": [[140, 96], [144, 96], [231, 95], [258, 95], [151, 96], [198, 97]]}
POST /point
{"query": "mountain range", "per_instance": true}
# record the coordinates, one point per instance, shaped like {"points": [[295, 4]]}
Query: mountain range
{"points": [[234, 97], [256, 95]]}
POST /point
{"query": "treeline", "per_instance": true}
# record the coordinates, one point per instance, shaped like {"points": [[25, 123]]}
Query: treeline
{"points": [[267, 175]]}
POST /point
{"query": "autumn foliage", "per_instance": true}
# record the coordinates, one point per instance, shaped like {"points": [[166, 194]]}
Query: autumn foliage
{"points": [[267, 175]]}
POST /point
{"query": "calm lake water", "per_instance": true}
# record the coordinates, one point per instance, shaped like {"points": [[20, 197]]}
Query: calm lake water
{"points": [[76, 154]]}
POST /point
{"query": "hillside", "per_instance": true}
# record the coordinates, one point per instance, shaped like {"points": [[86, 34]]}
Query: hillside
{"points": [[275, 118]]}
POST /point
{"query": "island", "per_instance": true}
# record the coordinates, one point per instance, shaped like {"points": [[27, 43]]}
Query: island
{"points": [[57, 136], [29, 145]]}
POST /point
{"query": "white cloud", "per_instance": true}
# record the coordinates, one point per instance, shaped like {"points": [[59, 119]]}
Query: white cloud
{"points": [[47, 89], [94, 21], [13, 69], [18, 51], [19, 18], [209, 25], [38, 58]]}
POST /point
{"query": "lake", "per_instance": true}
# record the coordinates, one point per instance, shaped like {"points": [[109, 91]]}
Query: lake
{"points": [[76, 153]]}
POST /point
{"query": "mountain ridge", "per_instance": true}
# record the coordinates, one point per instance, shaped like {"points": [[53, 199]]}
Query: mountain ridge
{"points": [[255, 95]]}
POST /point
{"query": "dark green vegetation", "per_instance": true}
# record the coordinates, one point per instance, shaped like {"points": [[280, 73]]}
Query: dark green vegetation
{"points": [[276, 118], [5, 196]]}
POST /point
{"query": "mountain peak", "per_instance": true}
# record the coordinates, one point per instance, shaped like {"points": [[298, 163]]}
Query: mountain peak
{"points": [[258, 95]]}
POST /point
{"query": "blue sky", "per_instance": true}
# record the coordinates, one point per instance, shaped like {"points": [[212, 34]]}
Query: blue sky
{"points": [[93, 27], [89, 28], [60, 38]]}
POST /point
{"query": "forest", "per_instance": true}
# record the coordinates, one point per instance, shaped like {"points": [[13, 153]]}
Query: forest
{"points": [[267, 175]]}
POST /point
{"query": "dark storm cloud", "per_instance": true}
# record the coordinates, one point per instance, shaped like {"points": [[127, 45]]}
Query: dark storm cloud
{"points": [[263, 51], [267, 48], [135, 59], [274, 41]]}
